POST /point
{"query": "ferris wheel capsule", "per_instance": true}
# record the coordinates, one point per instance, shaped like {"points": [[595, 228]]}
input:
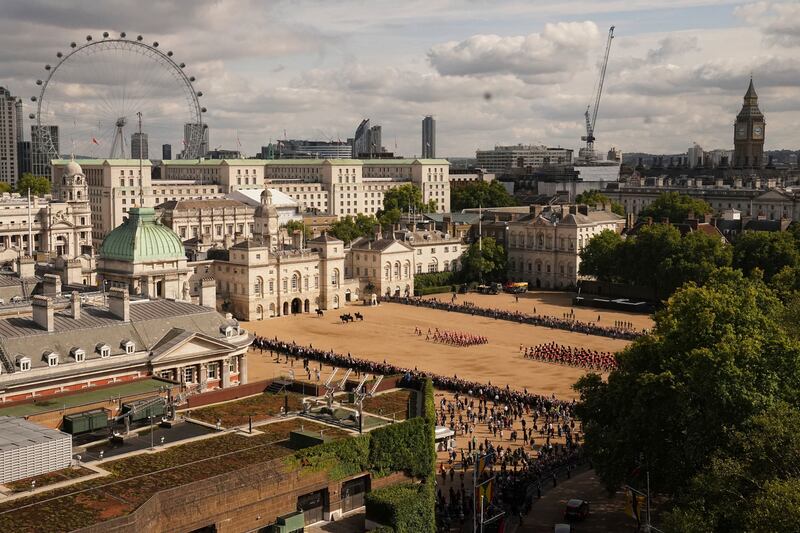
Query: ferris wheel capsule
{"points": [[38, 82], [88, 37], [33, 98], [139, 37], [47, 67], [73, 44], [155, 44], [169, 54], [31, 116], [123, 35], [105, 35]]}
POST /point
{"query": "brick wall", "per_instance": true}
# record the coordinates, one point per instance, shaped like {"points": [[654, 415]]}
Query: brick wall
{"points": [[237, 501], [227, 394]]}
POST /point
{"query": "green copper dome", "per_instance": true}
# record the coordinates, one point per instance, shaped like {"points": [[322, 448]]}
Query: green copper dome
{"points": [[141, 238]]}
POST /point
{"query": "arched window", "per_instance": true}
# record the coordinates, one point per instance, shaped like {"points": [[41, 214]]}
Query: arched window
{"points": [[433, 266], [335, 277], [447, 266], [259, 287], [387, 271], [397, 269], [407, 269], [540, 240], [295, 282]]}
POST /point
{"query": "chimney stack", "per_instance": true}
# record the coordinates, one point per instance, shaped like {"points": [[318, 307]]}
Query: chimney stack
{"points": [[75, 303], [119, 303], [208, 293], [51, 285], [26, 267], [43, 312]]}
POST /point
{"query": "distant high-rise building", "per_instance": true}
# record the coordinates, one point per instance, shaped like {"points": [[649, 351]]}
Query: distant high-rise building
{"points": [[306, 149], [10, 136], [375, 145], [193, 131], [695, 155], [24, 157], [166, 152], [428, 137], [139, 146], [748, 133], [44, 147], [522, 158], [361, 139]]}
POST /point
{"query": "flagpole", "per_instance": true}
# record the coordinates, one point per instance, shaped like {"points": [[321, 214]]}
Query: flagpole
{"points": [[474, 492]]}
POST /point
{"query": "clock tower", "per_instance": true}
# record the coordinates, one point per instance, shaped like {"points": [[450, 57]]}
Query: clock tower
{"points": [[748, 133]]}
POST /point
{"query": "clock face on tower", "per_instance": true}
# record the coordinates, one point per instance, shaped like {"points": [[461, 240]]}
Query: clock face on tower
{"points": [[741, 131], [758, 131]]}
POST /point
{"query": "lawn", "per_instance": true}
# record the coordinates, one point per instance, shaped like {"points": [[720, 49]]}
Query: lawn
{"points": [[389, 404], [43, 480], [233, 414], [135, 479]]}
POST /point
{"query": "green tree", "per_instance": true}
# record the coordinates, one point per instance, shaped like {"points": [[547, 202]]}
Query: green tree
{"points": [[480, 193], [350, 228], [674, 206], [601, 257], [696, 257], [717, 356], [406, 197], [296, 225], [597, 198], [4, 187], [766, 250], [752, 484], [38, 185], [485, 262], [389, 218]]}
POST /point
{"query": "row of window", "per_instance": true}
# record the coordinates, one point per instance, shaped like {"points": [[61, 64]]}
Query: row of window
{"points": [[78, 354]]}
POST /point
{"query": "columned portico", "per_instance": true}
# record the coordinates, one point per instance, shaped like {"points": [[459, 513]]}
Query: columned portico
{"points": [[225, 371]]}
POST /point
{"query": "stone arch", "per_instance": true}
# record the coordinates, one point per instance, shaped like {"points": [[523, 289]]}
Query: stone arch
{"points": [[259, 312], [306, 306], [285, 308], [335, 301], [271, 310]]}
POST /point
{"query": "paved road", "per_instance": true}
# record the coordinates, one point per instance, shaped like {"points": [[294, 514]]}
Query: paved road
{"points": [[181, 431], [606, 513]]}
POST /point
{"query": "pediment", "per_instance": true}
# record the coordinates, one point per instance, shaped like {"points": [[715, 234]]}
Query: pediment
{"points": [[182, 345], [772, 196]]}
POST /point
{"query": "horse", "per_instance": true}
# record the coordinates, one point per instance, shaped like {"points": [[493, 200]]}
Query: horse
{"points": [[359, 316], [319, 312]]}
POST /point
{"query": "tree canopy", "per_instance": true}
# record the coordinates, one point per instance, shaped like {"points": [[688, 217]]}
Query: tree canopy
{"points": [[4, 187], [689, 402], [350, 228], [675, 206], [597, 198], [657, 257], [765, 250], [485, 262], [407, 197], [38, 185], [296, 225], [480, 193]]}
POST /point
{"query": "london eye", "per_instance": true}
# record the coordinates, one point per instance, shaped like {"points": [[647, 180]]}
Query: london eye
{"points": [[91, 97]]}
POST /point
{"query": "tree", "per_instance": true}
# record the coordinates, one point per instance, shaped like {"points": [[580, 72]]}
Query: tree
{"points": [[597, 198], [601, 257], [480, 193], [4, 187], [296, 225], [350, 228], [406, 197], [485, 262], [753, 483], [674, 206], [696, 257], [765, 250], [717, 356], [38, 185]]}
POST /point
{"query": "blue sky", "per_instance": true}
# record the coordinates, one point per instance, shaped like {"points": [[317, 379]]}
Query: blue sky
{"points": [[677, 72]]}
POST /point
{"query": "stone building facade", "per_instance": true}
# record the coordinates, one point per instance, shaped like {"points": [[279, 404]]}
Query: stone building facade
{"points": [[544, 247]]}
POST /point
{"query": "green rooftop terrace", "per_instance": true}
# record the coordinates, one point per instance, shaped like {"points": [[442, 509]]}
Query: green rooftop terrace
{"points": [[82, 398]]}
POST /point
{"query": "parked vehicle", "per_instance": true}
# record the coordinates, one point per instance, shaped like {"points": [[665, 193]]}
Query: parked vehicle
{"points": [[576, 509], [516, 287], [562, 528]]}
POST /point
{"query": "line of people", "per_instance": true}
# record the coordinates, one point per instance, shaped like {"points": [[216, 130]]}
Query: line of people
{"points": [[567, 355], [453, 338], [567, 322]]}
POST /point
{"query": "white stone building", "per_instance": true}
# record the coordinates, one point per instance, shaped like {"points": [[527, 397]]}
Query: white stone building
{"points": [[544, 247]]}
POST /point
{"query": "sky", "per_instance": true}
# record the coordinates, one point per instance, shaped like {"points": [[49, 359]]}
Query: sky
{"points": [[490, 71]]}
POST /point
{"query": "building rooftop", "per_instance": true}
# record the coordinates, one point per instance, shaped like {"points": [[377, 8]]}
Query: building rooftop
{"points": [[150, 322], [16, 433], [142, 238], [215, 203], [101, 162]]}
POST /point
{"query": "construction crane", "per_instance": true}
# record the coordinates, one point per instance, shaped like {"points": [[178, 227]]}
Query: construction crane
{"points": [[587, 153]]}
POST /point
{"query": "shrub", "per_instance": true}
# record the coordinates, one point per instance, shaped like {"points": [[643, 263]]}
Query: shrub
{"points": [[433, 290], [433, 279], [405, 508]]}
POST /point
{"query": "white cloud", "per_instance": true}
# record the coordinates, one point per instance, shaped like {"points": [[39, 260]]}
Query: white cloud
{"points": [[779, 21], [558, 50]]}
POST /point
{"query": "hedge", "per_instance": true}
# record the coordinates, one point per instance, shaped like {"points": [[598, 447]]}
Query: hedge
{"points": [[405, 447], [434, 279], [433, 290], [405, 508]]}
